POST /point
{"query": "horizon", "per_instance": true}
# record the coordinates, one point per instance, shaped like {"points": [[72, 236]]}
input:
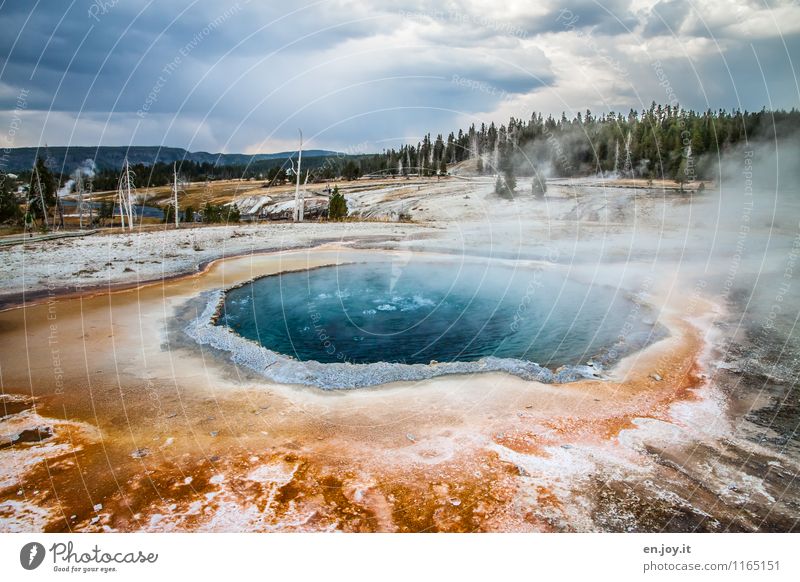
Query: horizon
{"points": [[173, 147], [420, 137]]}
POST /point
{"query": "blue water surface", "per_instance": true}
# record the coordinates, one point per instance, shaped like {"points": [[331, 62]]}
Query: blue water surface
{"points": [[419, 311]]}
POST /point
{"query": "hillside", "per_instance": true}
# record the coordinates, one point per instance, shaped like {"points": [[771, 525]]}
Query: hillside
{"points": [[111, 157]]}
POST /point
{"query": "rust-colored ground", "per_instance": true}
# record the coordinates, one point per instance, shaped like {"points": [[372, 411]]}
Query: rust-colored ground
{"points": [[149, 433]]}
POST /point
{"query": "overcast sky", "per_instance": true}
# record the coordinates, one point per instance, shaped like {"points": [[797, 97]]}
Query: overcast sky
{"points": [[361, 76]]}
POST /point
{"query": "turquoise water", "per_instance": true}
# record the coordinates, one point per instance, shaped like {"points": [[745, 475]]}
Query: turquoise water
{"points": [[416, 312]]}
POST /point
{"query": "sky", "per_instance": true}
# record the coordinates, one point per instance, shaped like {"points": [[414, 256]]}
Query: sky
{"points": [[243, 77]]}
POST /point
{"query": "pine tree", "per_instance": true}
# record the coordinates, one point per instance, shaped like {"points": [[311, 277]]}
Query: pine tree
{"points": [[351, 171], [500, 187], [106, 211], [506, 164], [10, 212], [210, 213], [169, 214], [337, 208], [510, 180], [680, 174], [233, 214]]}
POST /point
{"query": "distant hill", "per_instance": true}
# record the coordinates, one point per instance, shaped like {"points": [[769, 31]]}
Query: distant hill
{"points": [[111, 157]]}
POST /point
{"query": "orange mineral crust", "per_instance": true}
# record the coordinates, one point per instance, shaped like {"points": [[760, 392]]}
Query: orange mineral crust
{"points": [[111, 421]]}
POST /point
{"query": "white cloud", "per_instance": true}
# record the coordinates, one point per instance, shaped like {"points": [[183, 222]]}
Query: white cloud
{"points": [[349, 72]]}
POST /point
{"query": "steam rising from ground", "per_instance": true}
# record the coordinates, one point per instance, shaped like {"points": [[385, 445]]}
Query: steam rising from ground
{"points": [[699, 432], [85, 171]]}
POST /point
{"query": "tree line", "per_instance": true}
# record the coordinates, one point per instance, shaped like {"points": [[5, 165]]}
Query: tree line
{"points": [[661, 142], [656, 143]]}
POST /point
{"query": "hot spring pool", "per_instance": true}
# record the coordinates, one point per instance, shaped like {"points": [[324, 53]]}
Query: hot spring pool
{"points": [[421, 311]]}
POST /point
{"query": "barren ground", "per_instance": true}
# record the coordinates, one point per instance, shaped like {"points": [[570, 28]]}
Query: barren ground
{"points": [[113, 421]]}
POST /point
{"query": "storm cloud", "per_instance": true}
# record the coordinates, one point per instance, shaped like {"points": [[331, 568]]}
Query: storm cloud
{"points": [[243, 76]]}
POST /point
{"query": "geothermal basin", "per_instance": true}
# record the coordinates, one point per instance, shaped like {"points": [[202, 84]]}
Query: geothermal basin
{"points": [[365, 323]]}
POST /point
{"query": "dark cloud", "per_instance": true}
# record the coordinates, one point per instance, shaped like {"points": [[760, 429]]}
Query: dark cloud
{"points": [[666, 17], [230, 75], [602, 17]]}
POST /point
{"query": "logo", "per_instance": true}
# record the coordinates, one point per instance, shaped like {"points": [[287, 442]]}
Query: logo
{"points": [[31, 555]]}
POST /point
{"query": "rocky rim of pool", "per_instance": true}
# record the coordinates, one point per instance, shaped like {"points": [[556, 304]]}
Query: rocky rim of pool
{"points": [[263, 349]]}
